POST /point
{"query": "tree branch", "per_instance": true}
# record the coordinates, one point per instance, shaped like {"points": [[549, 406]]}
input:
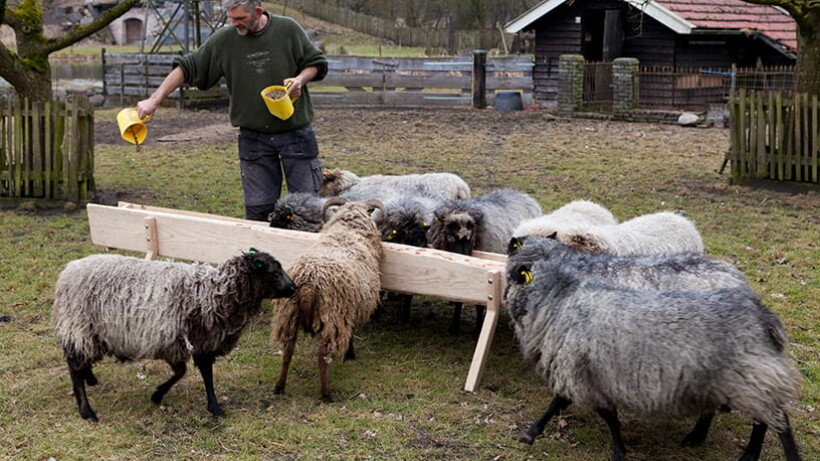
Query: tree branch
{"points": [[80, 32], [796, 8]]}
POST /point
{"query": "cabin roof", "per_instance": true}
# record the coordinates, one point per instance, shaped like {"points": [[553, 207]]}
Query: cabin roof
{"points": [[688, 17]]}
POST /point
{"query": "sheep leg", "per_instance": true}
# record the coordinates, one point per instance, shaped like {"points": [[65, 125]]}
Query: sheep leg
{"points": [[323, 379], [755, 445], [179, 369], [787, 440], [555, 407], [455, 324], [479, 319], [698, 434], [89, 377], [287, 355], [350, 354], [78, 386], [205, 363], [611, 419], [404, 309]]}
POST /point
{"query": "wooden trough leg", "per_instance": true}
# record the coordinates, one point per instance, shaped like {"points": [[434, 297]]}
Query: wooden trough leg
{"points": [[151, 240], [482, 348]]}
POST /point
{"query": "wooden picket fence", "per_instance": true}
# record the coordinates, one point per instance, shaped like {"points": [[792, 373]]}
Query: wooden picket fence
{"points": [[47, 149], [774, 135]]}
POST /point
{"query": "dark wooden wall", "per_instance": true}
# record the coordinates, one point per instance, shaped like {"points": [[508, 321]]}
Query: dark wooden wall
{"points": [[644, 38]]}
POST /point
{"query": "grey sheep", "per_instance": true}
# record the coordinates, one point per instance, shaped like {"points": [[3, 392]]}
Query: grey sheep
{"points": [[338, 280], [663, 233], [385, 187], [301, 211], [483, 223], [133, 309], [574, 216], [651, 352]]}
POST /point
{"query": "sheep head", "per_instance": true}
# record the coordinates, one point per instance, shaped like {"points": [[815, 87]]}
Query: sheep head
{"points": [[356, 216], [405, 226], [456, 229], [335, 182], [297, 211], [268, 278]]}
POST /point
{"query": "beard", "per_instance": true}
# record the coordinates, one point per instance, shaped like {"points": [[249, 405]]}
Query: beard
{"points": [[252, 26]]}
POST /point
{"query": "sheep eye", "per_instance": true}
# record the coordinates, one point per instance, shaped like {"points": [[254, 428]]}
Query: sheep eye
{"points": [[425, 225], [289, 217]]}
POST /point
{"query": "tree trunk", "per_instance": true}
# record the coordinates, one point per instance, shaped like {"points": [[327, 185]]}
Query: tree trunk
{"points": [[808, 54]]}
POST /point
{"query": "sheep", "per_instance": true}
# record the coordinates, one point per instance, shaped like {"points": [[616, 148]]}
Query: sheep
{"points": [[663, 233], [680, 272], [300, 211], [407, 221], [383, 187], [338, 283], [576, 215], [481, 223], [651, 352], [133, 309]]}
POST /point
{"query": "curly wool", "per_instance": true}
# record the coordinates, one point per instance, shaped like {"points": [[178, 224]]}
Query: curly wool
{"points": [[338, 282], [386, 187], [572, 217], [137, 309], [663, 233], [652, 352]]}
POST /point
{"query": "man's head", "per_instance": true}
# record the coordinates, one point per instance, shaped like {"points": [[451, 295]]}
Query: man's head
{"points": [[245, 15]]}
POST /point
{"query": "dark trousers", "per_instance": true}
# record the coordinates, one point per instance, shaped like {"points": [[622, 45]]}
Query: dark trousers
{"points": [[262, 159]]}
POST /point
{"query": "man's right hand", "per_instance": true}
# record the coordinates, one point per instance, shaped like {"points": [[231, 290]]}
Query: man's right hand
{"points": [[147, 107]]}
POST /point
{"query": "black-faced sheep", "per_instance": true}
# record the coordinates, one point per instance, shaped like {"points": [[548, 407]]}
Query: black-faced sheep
{"points": [[663, 233], [481, 223], [649, 352], [338, 282], [300, 211], [384, 187], [574, 216], [132, 309]]}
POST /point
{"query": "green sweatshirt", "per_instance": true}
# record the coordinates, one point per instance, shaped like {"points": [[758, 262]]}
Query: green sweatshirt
{"points": [[252, 62]]}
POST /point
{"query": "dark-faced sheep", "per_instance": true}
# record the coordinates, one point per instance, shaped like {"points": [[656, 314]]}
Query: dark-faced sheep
{"points": [[651, 352], [132, 309], [301, 211], [338, 282], [483, 223]]}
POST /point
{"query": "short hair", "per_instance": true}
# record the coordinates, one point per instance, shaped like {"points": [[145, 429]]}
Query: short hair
{"points": [[249, 5]]}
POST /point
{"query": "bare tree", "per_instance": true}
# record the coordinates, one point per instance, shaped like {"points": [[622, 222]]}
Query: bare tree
{"points": [[28, 70]]}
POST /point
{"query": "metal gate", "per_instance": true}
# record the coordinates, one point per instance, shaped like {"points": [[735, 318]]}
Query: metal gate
{"points": [[598, 87]]}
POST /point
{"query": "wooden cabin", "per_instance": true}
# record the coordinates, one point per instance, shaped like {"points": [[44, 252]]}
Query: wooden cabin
{"points": [[669, 33]]}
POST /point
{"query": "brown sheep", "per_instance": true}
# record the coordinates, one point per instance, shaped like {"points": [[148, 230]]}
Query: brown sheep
{"points": [[338, 282]]}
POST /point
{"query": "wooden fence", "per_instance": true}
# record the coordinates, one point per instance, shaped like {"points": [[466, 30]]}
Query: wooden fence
{"points": [[351, 80], [774, 135], [47, 149]]}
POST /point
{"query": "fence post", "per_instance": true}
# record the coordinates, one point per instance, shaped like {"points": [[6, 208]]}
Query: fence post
{"points": [[624, 86], [480, 79], [570, 83]]}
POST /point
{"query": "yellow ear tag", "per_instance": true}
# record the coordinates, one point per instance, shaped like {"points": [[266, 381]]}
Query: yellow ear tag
{"points": [[527, 276], [289, 217]]}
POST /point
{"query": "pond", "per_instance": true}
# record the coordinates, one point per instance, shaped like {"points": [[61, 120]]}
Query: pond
{"points": [[83, 75]]}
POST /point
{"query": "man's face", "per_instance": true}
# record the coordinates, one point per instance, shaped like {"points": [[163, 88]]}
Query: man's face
{"points": [[245, 21]]}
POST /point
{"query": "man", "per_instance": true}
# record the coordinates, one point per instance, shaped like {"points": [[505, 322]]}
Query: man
{"points": [[259, 50]]}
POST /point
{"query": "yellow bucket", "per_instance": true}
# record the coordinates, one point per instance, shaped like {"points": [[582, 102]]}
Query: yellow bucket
{"points": [[281, 107], [132, 128]]}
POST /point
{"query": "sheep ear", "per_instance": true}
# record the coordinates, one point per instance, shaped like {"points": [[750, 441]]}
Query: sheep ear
{"points": [[477, 215], [521, 274], [553, 236], [514, 245]]}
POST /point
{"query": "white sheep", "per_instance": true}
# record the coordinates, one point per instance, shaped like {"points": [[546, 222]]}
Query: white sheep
{"points": [[338, 282], [663, 233], [574, 216], [385, 187], [133, 309]]}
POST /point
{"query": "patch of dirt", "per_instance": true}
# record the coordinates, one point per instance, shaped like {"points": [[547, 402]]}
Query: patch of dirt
{"points": [[174, 125]]}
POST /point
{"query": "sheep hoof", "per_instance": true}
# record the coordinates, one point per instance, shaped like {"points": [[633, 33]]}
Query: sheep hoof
{"points": [[526, 438], [89, 414], [327, 398], [278, 390], [156, 397], [217, 412]]}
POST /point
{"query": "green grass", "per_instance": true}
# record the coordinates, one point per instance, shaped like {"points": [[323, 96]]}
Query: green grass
{"points": [[402, 398]]}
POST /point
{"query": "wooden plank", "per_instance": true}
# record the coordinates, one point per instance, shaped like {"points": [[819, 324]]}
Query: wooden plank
{"points": [[48, 151], [815, 138], [794, 156], [485, 338], [781, 134]]}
